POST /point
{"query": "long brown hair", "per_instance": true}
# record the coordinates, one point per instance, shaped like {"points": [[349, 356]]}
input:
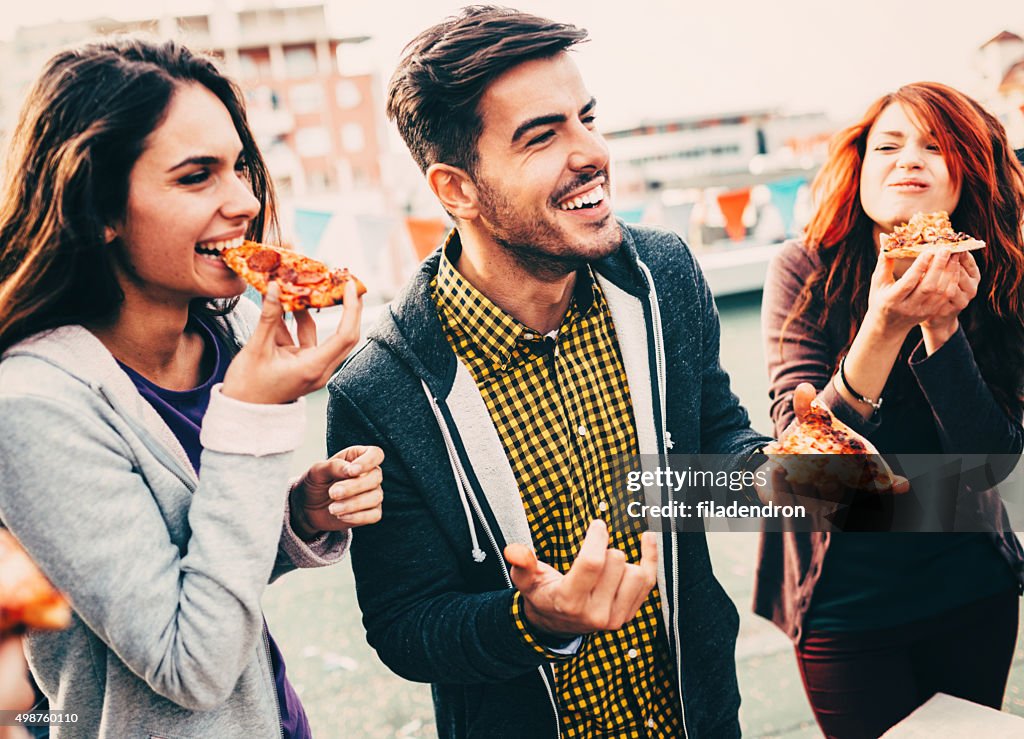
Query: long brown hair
{"points": [[80, 131], [991, 208]]}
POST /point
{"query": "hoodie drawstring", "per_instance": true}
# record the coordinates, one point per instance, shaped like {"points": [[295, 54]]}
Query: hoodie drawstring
{"points": [[479, 555]]}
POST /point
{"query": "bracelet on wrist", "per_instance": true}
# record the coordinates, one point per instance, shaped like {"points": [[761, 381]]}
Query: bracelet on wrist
{"points": [[876, 404]]}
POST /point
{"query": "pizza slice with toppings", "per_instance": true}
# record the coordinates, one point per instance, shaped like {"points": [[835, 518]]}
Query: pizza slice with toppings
{"points": [[926, 231], [27, 599], [304, 282], [817, 451]]}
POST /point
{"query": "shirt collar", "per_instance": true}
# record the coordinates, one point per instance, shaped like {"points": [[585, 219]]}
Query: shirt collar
{"points": [[493, 330]]}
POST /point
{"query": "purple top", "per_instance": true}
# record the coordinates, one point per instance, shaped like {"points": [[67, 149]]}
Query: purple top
{"points": [[183, 411]]}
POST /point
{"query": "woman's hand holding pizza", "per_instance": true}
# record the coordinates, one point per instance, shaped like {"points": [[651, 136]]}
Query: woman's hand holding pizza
{"points": [[274, 368], [937, 329], [931, 293]]}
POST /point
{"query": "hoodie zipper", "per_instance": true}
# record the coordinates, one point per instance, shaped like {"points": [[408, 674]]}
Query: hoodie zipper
{"points": [[664, 444], [270, 665], [467, 491]]}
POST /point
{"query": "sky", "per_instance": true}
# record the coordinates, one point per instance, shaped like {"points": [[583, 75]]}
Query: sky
{"points": [[651, 59]]}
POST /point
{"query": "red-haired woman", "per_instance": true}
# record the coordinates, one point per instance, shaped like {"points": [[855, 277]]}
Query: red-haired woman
{"points": [[882, 621]]}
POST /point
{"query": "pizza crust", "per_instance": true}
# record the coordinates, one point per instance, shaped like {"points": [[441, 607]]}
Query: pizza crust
{"points": [[910, 252]]}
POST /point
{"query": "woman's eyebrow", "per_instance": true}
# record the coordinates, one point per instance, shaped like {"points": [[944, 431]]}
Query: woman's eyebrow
{"points": [[202, 160]]}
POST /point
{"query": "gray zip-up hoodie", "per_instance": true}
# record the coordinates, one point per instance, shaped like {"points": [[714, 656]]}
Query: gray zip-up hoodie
{"points": [[164, 570]]}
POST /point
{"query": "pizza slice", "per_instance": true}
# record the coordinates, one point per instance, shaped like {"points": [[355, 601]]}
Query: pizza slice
{"points": [[925, 231], [304, 282], [27, 599], [819, 450]]}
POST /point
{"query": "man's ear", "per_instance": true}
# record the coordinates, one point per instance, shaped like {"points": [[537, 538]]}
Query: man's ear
{"points": [[455, 189], [109, 234]]}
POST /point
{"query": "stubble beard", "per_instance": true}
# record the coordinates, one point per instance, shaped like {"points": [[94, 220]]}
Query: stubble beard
{"points": [[534, 244]]}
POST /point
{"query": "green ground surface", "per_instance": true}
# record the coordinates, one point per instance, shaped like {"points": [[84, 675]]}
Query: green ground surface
{"points": [[349, 694]]}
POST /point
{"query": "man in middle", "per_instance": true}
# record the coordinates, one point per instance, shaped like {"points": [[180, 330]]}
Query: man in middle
{"points": [[544, 340]]}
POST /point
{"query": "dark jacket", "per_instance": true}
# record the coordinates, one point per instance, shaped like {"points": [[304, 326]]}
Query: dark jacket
{"points": [[921, 415], [431, 579]]}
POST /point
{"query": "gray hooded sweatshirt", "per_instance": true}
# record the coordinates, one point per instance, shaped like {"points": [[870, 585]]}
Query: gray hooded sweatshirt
{"points": [[164, 570]]}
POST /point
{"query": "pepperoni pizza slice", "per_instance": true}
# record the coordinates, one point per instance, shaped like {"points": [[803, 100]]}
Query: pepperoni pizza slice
{"points": [[27, 599], [926, 231], [817, 450], [304, 282]]}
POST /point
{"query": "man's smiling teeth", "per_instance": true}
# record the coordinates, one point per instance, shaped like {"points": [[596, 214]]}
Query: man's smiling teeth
{"points": [[214, 248], [591, 197]]}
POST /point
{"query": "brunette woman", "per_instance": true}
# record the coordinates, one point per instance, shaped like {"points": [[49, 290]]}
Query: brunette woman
{"points": [[149, 413]]}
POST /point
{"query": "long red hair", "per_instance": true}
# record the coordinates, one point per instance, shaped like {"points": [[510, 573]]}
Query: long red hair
{"points": [[991, 208]]}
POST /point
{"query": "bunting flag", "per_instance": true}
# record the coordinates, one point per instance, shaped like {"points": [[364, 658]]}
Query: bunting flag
{"points": [[374, 234], [783, 194], [426, 234], [733, 203], [309, 229], [389, 251], [677, 218]]}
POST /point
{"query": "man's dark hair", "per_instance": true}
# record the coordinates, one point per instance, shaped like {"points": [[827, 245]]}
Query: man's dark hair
{"points": [[434, 94]]}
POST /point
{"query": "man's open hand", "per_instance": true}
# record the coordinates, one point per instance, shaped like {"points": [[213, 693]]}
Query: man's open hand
{"points": [[600, 592]]}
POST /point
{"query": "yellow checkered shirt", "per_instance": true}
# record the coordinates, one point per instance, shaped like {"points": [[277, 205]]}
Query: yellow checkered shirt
{"points": [[562, 416]]}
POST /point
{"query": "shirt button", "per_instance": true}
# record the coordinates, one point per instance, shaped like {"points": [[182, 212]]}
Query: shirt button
{"points": [[528, 336], [582, 430], [602, 506], [632, 654], [650, 723]]}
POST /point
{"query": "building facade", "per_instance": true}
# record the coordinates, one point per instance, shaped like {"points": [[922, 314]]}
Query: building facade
{"points": [[728, 149], [319, 128]]}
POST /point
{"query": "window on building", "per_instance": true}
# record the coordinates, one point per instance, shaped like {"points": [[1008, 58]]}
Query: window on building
{"points": [[248, 20], [313, 141], [198, 25], [262, 99], [353, 139], [319, 181], [253, 66], [348, 94], [307, 98], [300, 61]]}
